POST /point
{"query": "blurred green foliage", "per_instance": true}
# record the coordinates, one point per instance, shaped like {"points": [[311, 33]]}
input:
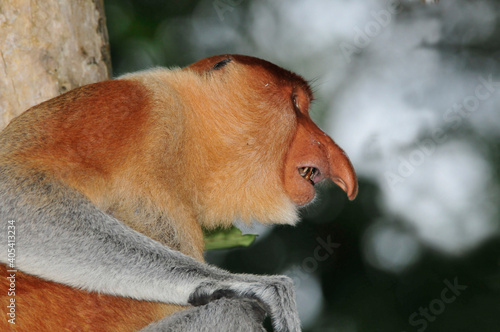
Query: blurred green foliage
{"points": [[226, 238]]}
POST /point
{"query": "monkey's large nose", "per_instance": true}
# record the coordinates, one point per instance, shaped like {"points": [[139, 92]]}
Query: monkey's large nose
{"points": [[313, 156], [341, 170]]}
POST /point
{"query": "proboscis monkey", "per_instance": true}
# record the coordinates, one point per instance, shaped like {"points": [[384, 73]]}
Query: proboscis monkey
{"points": [[105, 189]]}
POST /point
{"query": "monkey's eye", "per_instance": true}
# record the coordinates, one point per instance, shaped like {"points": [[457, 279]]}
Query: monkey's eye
{"points": [[296, 105], [221, 64]]}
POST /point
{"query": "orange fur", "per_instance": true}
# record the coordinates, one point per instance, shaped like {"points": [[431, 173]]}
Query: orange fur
{"points": [[47, 306], [167, 152]]}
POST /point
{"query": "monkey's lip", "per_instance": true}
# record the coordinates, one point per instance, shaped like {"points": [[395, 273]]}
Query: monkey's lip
{"points": [[310, 173]]}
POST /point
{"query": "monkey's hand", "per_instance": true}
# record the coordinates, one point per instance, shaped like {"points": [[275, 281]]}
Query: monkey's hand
{"points": [[276, 295]]}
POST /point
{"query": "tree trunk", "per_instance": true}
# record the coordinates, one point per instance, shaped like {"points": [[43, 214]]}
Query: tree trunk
{"points": [[48, 47]]}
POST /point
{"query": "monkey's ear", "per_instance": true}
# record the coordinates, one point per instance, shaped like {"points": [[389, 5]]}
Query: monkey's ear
{"points": [[213, 63], [221, 64]]}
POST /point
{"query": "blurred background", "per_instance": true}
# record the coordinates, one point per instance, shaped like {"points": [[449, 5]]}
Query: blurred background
{"points": [[411, 91]]}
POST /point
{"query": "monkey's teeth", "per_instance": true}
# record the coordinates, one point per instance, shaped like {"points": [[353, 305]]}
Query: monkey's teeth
{"points": [[308, 173], [303, 171]]}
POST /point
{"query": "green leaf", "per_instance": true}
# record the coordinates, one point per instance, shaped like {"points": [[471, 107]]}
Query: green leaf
{"points": [[223, 238]]}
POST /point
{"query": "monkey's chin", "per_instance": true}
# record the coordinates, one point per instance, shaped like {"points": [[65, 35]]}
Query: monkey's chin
{"points": [[286, 213], [278, 208], [304, 195]]}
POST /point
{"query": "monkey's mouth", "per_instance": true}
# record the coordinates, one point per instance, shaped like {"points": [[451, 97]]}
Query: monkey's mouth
{"points": [[309, 173]]}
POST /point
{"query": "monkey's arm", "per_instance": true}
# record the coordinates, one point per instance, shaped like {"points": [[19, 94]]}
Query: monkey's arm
{"points": [[61, 236], [222, 315]]}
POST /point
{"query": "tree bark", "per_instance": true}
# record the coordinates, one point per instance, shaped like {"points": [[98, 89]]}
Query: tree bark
{"points": [[48, 47]]}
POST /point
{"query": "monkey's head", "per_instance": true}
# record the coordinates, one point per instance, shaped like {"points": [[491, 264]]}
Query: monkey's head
{"points": [[261, 154], [226, 138]]}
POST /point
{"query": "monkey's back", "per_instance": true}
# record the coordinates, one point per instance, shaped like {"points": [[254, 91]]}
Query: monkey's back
{"points": [[63, 134]]}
